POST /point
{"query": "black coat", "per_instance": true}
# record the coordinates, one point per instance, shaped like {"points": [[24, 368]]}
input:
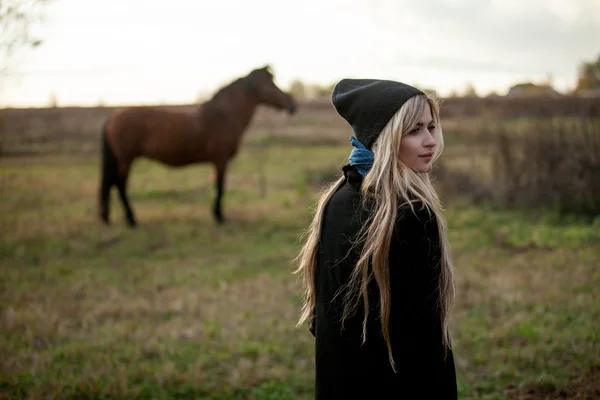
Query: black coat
{"points": [[344, 368]]}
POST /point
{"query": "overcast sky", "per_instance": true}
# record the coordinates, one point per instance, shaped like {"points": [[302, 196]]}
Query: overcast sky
{"points": [[153, 51]]}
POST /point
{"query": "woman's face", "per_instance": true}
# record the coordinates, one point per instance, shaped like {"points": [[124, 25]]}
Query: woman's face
{"points": [[417, 146]]}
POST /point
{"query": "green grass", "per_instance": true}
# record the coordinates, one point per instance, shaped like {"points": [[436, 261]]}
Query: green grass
{"points": [[183, 308]]}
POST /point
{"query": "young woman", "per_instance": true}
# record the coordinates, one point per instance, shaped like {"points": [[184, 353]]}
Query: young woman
{"points": [[376, 270]]}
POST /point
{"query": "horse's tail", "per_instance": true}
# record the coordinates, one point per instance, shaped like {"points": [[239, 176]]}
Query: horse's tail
{"points": [[109, 173]]}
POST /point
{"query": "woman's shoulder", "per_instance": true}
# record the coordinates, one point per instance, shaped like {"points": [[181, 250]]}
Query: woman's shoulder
{"points": [[415, 211], [415, 221]]}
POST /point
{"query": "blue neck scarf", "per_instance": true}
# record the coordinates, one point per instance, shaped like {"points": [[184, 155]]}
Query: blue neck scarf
{"points": [[361, 156]]}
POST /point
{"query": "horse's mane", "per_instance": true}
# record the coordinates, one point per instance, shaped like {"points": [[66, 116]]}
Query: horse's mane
{"points": [[226, 89]]}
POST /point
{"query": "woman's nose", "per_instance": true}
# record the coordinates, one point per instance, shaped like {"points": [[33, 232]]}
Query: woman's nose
{"points": [[429, 140]]}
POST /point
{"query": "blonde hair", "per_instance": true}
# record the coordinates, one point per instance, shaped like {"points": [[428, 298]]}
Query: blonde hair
{"points": [[388, 184]]}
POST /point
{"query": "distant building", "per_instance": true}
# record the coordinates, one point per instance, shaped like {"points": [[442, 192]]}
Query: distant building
{"points": [[532, 90]]}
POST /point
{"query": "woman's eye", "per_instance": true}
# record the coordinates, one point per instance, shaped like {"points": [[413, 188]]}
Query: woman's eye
{"points": [[415, 130], [432, 127]]}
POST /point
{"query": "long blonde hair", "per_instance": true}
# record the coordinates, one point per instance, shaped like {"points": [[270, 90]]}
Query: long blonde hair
{"points": [[388, 184]]}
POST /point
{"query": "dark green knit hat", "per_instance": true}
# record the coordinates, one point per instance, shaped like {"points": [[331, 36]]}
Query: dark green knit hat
{"points": [[368, 104]]}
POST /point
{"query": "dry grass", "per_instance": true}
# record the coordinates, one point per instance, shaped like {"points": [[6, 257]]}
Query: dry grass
{"points": [[551, 163], [182, 308]]}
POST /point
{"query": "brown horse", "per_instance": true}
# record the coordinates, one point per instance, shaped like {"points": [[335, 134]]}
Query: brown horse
{"points": [[210, 134]]}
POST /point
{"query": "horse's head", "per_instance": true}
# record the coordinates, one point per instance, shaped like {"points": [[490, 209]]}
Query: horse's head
{"points": [[259, 83]]}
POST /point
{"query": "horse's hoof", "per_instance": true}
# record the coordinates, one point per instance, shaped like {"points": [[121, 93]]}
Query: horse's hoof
{"points": [[218, 217], [132, 223]]}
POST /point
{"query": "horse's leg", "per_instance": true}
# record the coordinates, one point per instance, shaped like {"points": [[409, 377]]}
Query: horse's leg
{"points": [[110, 176], [104, 195], [220, 169], [122, 186]]}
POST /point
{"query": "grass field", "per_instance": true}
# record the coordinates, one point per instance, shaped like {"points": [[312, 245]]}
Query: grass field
{"points": [[182, 308]]}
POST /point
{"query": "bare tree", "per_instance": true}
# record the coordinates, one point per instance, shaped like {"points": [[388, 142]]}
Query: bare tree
{"points": [[298, 89], [16, 20], [589, 75]]}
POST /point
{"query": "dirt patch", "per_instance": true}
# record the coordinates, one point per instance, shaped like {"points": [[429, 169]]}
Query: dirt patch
{"points": [[586, 386]]}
